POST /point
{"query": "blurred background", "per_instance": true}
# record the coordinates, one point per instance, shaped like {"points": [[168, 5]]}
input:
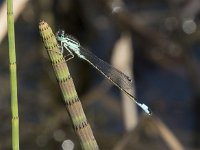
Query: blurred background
{"points": [[154, 41]]}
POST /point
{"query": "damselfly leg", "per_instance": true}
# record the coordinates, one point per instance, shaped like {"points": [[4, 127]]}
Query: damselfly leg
{"points": [[68, 57]]}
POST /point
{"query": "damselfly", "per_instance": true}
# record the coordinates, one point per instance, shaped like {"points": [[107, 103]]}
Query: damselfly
{"points": [[119, 79]]}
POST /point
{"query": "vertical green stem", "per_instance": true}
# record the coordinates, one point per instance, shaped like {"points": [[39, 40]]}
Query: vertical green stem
{"points": [[13, 76]]}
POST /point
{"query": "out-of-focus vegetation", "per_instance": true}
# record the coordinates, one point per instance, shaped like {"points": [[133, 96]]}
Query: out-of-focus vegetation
{"points": [[165, 41]]}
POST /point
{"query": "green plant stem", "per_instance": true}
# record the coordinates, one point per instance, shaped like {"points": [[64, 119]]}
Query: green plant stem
{"points": [[13, 76], [74, 106]]}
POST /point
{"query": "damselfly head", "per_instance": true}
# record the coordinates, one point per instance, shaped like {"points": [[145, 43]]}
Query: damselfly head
{"points": [[60, 34]]}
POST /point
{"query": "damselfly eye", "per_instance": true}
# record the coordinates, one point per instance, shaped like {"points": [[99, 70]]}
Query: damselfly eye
{"points": [[60, 33]]}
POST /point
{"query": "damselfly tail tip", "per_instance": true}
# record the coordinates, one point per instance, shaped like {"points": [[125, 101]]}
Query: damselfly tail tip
{"points": [[145, 108], [149, 112]]}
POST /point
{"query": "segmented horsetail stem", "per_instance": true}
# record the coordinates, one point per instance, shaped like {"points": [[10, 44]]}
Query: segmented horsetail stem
{"points": [[74, 106], [13, 76]]}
